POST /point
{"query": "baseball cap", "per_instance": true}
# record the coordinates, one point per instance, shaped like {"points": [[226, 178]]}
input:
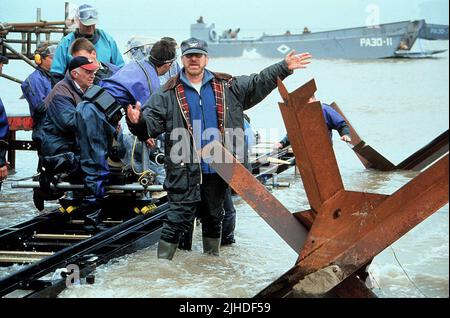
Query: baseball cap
{"points": [[45, 49], [87, 14], [194, 45], [83, 62], [139, 42]]}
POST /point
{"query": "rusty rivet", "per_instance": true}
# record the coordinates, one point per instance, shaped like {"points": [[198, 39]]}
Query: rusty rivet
{"points": [[336, 213]]}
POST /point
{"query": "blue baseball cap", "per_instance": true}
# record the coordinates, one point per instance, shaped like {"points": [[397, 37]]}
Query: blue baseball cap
{"points": [[194, 45]]}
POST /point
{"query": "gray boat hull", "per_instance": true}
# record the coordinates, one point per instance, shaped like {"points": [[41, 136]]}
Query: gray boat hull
{"points": [[382, 41]]}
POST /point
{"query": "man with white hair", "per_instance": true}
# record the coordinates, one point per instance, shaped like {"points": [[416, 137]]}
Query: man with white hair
{"points": [[105, 45]]}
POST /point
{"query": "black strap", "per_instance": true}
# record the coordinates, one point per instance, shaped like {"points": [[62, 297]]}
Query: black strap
{"points": [[147, 76]]}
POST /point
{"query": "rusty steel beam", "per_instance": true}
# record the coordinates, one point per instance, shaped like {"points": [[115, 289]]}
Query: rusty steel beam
{"points": [[356, 140], [426, 155], [350, 228], [255, 194], [272, 211], [372, 159], [321, 181], [374, 227]]}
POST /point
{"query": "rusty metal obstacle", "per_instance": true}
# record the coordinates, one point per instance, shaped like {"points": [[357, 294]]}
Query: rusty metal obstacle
{"points": [[343, 230], [372, 159]]}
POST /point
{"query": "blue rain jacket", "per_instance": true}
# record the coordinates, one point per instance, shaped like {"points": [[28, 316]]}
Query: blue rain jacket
{"points": [[4, 127], [130, 84], [105, 46], [36, 88]]}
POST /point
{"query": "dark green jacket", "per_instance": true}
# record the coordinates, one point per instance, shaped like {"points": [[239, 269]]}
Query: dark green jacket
{"points": [[162, 113]]}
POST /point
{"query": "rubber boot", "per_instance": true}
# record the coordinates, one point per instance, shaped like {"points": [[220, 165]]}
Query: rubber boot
{"points": [[211, 245], [186, 238], [166, 250]]}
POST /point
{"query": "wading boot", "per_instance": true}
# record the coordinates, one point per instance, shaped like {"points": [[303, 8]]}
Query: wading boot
{"points": [[211, 245], [166, 250]]}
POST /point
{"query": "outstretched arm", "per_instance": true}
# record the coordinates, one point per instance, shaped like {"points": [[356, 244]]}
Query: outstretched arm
{"points": [[251, 90]]}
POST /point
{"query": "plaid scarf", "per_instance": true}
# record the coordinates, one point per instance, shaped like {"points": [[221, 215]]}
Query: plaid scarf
{"points": [[218, 93]]}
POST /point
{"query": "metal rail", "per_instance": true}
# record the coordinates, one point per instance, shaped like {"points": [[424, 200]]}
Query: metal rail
{"points": [[69, 186], [130, 231]]}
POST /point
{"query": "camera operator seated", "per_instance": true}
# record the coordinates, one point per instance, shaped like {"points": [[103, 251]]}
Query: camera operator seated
{"points": [[82, 122], [77, 137]]}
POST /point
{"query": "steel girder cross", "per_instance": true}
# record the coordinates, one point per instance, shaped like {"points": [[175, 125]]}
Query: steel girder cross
{"points": [[349, 228]]}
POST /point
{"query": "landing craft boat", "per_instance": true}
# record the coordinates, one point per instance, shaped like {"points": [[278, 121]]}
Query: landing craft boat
{"points": [[382, 41]]}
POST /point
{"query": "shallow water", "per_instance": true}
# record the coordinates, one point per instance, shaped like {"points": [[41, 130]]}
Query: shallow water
{"points": [[397, 106]]}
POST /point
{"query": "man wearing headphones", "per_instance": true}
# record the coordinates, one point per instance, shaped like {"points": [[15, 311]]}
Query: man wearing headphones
{"points": [[38, 85], [35, 89]]}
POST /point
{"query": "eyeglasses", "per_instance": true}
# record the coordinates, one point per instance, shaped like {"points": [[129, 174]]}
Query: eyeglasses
{"points": [[88, 71]]}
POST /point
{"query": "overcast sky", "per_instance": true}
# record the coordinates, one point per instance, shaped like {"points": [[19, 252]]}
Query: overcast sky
{"points": [[246, 14]]}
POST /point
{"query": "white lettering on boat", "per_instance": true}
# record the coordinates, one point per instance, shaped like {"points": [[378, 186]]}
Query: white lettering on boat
{"points": [[373, 42]]}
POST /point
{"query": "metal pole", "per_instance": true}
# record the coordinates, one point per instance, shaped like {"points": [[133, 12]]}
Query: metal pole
{"points": [[11, 78], [23, 57], [38, 35], [69, 186]]}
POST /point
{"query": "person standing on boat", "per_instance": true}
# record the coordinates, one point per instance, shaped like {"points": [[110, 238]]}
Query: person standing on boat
{"points": [[105, 45], [201, 103], [4, 129], [333, 120]]}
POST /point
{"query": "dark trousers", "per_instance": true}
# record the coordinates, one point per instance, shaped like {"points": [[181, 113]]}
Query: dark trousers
{"points": [[229, 220], [210, 209], [94, 135]]}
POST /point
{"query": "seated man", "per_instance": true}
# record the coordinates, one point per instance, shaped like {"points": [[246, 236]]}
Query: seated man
{"points": [[333, 121], [60, 132]]}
